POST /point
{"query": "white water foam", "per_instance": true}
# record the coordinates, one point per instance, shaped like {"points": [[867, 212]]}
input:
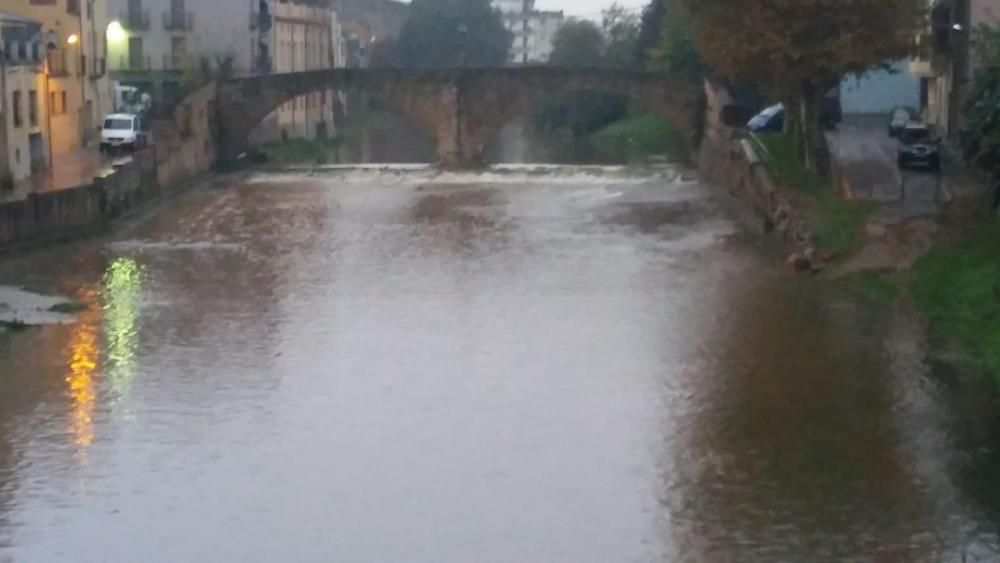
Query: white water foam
{"points": [[406, 174]]}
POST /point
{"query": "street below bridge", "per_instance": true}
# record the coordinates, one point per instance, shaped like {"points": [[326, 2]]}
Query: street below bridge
{"points": [[561, 364]]}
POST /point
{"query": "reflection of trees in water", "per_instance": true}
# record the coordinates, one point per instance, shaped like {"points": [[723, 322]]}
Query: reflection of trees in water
{"points": [[460, 219], [378, 135], [789, 447]]}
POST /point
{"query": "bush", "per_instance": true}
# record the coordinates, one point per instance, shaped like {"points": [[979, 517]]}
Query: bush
{"points": [[299, 150], [641, 135]]}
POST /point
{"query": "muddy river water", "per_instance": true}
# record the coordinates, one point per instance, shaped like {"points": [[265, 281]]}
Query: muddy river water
{"points": [[580, 365]]}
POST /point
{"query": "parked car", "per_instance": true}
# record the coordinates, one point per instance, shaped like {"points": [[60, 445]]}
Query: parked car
{"points": [[772, 119], [919, 145], [899, 117], [122, 131]]}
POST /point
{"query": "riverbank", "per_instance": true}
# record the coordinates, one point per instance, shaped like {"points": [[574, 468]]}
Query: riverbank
{"points": [[951, 276], [183, 151]]}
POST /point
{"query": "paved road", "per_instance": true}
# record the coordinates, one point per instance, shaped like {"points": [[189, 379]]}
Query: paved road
{"points": [[865, 156]]}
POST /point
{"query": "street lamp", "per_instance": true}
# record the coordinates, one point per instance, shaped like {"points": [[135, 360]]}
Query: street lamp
{"points": [[115, 32], [73, 39]]}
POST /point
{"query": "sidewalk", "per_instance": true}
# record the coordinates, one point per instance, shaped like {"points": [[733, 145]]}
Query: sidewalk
{"points": [[68, 170]]}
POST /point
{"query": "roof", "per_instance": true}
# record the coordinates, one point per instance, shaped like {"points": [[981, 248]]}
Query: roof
{"points": [[11, 17]]}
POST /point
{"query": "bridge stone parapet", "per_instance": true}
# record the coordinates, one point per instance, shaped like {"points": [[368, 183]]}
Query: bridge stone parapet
{"points": [[460, 110]]}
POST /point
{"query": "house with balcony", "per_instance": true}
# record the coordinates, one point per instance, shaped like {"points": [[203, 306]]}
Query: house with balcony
{"points": [[24, 139], [160, 46]]}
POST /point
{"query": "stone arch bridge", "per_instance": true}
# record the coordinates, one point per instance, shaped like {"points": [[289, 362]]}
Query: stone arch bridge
{"points": [[460, 110]]}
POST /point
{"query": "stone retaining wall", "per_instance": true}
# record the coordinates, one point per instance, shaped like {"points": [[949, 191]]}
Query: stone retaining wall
{"points": [[727, 159], [184, 153]]}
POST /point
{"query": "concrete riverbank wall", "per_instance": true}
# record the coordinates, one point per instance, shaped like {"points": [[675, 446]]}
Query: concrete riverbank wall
{"points": [[183, 149]]}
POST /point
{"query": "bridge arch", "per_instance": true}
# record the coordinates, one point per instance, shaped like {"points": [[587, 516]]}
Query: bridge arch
{"points": [[460, 110], [512, 95]]}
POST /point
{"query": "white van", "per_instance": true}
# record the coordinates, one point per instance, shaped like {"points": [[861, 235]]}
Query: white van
{"points": [[122, 130]]}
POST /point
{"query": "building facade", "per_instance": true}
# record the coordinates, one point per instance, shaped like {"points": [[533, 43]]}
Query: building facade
{"points": [[944, 63], [78, 92], [23, 106], [162, 46], [534, 31], [304, 38]]}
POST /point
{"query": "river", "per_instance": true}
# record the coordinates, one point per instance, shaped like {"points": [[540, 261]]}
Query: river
{"points": [[573, 365]]}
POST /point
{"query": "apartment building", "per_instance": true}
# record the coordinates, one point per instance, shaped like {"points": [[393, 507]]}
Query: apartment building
{"points": [[160, 46], [23, 109], [78, 92], [534, 30], [305, 38], [944, 62]]}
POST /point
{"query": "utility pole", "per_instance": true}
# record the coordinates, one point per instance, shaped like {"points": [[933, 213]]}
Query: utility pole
{"points": [[4, 154], [525, 10]]}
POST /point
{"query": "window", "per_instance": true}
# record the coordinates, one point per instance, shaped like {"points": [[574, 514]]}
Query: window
{"points": [[16, 108], [73, 7], [57, 103], [33, 108]]}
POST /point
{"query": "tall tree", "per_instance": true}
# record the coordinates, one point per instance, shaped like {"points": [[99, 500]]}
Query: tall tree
{"points": [[674, 50], [448, 33], [578, 43], [796, 50], [621, 31], [650, 29]]}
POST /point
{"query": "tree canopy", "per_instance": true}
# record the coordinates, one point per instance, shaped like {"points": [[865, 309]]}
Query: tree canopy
{"points": [[674, 50], [797, 50], [782, 45], [579, 43], [447, 33]]}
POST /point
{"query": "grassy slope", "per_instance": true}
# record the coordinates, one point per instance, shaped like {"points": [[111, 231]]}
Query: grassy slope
{"points": [[957, 286], [838, 223]]}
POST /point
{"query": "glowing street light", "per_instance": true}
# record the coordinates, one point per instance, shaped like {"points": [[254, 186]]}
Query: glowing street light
{"points": [[73, 39], [116, 33]]}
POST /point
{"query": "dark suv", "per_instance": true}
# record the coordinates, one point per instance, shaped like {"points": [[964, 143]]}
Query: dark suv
{"points": [[919, 145]]}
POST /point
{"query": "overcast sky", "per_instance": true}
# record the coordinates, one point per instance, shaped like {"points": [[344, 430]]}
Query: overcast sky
{"points": [[587, 8]]}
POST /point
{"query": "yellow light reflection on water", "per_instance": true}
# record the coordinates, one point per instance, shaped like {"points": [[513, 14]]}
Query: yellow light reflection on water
{"points": [[84, 354], [122, 286]]}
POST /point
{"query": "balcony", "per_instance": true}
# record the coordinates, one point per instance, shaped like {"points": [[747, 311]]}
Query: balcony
{"points": [[135, 64], [135, 20], [178, 20], [177, 62]]}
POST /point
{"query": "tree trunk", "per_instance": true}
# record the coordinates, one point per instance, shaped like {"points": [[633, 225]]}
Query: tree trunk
{"points": [[808, 134]]}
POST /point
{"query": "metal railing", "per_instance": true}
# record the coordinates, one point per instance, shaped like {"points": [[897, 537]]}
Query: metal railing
{"points": [[176, 62], [135, 64], [178, 20]]}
